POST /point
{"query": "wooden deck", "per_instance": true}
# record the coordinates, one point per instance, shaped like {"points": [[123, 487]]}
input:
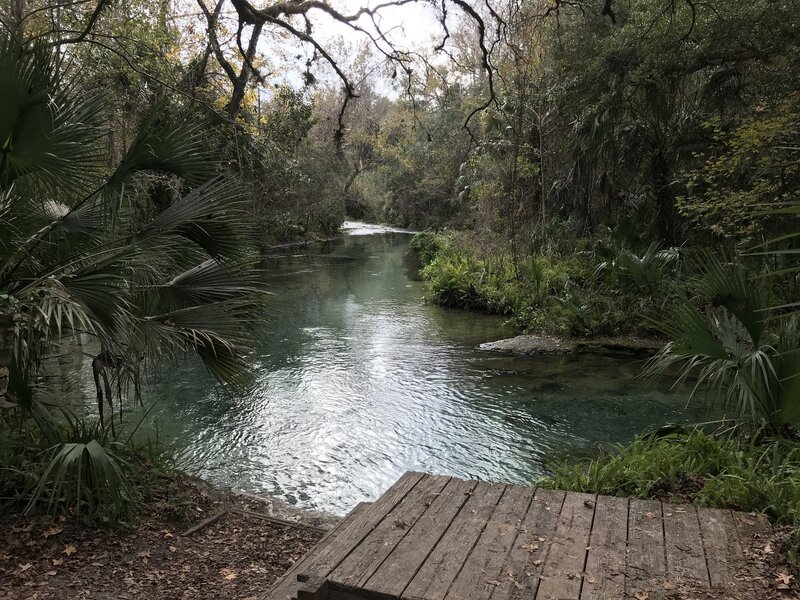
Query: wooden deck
{"points": [[432, 537]]}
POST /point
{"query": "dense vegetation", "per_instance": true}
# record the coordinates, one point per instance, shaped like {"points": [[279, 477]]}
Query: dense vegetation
{"points": [[585, 168]]}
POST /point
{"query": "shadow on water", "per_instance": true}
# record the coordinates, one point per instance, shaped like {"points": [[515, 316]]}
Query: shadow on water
{"points": [[358, 380]]}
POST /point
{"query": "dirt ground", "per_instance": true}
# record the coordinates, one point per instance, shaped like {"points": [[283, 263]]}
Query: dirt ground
{"points": [[236, 556], [182, 552]]}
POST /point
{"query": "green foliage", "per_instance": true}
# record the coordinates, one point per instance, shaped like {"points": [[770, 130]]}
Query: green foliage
{"points": [[714, 471], [749, 168], [720, 338], [426, 245], [84, 476], [93, 255], [554, 291], [86, 251]]}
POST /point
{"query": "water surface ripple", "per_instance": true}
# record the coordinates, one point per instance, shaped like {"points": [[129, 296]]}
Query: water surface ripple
{"points": [[358, 380]]}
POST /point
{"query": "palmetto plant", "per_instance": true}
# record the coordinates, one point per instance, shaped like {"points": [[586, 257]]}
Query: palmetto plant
{"points": [[645, 272], [83, 251], [720, 337]]}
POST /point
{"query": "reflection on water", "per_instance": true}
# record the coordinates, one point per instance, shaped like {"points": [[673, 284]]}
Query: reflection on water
{"points": [[358, 381]]}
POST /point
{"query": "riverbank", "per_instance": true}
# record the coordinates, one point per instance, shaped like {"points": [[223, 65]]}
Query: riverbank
{"points": [[577, 289], [194, 542]]}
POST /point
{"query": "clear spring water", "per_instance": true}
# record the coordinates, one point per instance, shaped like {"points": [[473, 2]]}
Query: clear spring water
{"points": [[358, 380]]}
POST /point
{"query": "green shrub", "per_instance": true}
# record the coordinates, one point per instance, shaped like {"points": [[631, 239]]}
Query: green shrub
{"points": [[427, 245], [710, 470]]}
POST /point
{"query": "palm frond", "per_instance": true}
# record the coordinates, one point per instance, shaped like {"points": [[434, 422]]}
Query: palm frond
{"points": [[82, 476]]}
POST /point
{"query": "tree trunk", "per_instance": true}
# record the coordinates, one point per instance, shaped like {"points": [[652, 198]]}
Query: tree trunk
{"points": [[661, 178], [6, 352]]}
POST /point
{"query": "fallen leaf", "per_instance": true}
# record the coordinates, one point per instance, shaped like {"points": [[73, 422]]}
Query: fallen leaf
{"points": [[494, 582], [768, 549], [518, 585], [680, 510], [642, 595], [57, 562], [228, 574], [70, 549], [668, 585], [530, 547], [51, 573], [536, 563], [167, 535], [400, 523], [52, 531], [173, 549], [591, 580], [784, 578], [25, 567], [650, 515]]}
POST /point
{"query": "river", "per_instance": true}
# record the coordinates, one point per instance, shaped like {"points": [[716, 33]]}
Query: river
{"points": [[357, 380]]}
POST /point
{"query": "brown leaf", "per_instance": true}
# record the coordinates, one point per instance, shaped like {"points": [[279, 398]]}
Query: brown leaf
{"points": [[228, 574], [57, 562], [52, 531], [668, 585], [650, 515], [400, 523], [768, 549], [25, 567], [642, 596], [173, 549], [530, 547], [167, 534], [70, 549], [536, 563], [591, 580], [784, 578], [51, 573]]}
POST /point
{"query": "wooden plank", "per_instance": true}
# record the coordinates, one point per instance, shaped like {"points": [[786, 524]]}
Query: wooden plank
{"points": [[365, 559], [443, 564], [562, 573], [482, 570], [605, 564], [527, 557], [399, 568], [326, 557], [646, 567], [286, 586], [721, 544], [686, 563], [749, 526]]}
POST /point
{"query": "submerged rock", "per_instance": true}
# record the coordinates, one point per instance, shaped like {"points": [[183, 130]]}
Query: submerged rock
{"points": [[540, 344]]}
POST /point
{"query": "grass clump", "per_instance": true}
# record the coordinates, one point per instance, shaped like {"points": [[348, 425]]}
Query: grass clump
{"points": [[706, 469]]}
